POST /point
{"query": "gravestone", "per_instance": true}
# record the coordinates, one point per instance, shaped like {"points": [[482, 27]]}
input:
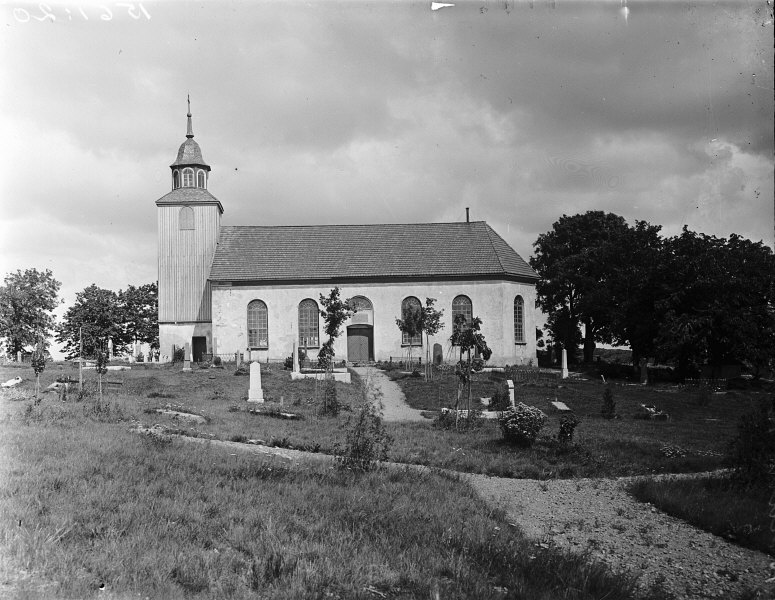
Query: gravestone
{"points": [[510, 384], [187, 358], [255, 394], [644, 371], [564, 368], [295, 358], [238, 358], [215, 348], [438, 354], [110, 348], [560, 406], [18, 356]]}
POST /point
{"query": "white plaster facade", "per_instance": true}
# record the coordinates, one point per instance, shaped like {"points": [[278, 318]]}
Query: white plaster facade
{"points": [[492, 302]]}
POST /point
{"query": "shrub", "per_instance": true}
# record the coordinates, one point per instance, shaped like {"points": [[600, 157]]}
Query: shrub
{"points": [[217, 361], [609, 405], [500, 399], [288, 362], [140, 357], [752, 451], [468, 420], [366, 440], [521, 424], [568, 424], [179, 355]]}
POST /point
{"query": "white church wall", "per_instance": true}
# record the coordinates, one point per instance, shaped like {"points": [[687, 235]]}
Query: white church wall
{"points": [[179, 335], [493, 302]]}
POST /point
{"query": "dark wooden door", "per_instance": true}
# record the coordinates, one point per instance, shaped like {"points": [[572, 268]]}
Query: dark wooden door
{"points": [[360, 343], [199, 348]]}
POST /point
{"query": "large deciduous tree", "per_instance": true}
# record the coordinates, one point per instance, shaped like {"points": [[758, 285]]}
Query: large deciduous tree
{"points": [[27, 299], [141, 309], [719, 302], [101, 316], [573, 260]]}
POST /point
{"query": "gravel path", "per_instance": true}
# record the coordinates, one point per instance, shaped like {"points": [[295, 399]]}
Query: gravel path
{"points": [[599, 516], [394, 406]]}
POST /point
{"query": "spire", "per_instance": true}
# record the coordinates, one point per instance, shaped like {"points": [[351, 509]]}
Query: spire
{"points": [[190, 131]]}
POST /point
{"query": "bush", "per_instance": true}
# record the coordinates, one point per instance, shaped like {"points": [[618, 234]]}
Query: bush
{"points": [[217, 362], [568, 424], [448, 419], [366, 440], [609, 405], [140, 357], [500, 399], [521, 424], [179, 355], [752, 451]]}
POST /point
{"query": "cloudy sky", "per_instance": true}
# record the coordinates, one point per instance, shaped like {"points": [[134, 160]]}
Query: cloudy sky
{"points": [[378, 112]]}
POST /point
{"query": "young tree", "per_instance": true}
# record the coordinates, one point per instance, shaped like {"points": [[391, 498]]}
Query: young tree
{"points": [[468, 337], [38, 365], [431, 325], [141, 308], [101, 316], [411, 324], [335, 312], [26, 301]]}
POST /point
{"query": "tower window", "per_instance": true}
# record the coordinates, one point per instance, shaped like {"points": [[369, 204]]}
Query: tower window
{"points": [[258, 325], [200, 179], [175, 180], [188, 177], [186, 218]]}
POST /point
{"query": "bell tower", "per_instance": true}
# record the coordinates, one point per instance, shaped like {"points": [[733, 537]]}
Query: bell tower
{"points": [[189, 221]]}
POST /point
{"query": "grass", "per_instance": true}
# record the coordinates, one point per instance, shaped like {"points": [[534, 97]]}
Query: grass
{"points": [[721, 506], [693, 440], [93, 510]]}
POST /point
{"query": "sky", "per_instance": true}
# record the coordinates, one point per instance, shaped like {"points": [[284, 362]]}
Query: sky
{"points": [[377, 112]]}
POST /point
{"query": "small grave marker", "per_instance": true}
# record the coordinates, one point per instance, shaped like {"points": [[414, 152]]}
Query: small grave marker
{"points": [[560, 406]]}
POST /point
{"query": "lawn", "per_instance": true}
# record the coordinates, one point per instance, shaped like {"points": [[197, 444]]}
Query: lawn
{"points": [[693, 440], [740, 513], [90, 509]]}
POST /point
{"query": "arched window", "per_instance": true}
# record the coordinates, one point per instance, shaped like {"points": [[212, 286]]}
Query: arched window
{"points": [[461, 305], [200, 179], [309, 317], [186, 218], [258, 325], [175, 180], [519, 320], [188, 177], [408, 306]]}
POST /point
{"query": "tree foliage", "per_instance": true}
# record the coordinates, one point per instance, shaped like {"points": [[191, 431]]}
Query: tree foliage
{"points": [[27, 299], [468, 338], [101, 316], [141, 309], [335, 312]]}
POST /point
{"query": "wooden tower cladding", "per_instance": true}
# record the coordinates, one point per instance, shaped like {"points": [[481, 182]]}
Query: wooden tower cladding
{"points": [[189, 221]]}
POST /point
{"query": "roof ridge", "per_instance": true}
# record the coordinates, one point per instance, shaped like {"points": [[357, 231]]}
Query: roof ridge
{"points": [[353, 225], [487, 229]]}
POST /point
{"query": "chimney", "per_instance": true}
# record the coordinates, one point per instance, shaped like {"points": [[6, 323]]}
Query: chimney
{"points": [[467, 221]]}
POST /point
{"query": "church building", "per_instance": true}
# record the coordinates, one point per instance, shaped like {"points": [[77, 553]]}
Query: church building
{"points": [[255, 289]]}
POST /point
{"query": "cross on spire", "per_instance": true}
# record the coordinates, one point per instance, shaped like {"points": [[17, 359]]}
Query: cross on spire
{"points": [[190, 131]]}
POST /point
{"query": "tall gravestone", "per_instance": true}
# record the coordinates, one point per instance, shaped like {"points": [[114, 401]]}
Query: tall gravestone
{"points": [[644, 370], [255, 394], [512, 400], [187, 358], [564, 368], [295, 358], [110, 348], [438, 354]]}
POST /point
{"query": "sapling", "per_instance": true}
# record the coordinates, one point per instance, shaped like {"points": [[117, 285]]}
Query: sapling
{"points": [[38, 365], [102, 368]]}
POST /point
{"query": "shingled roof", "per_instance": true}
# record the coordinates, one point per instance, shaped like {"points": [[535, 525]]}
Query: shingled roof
{"points": [[350, 252], [189, 195]]}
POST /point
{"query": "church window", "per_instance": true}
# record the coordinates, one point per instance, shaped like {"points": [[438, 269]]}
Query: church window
{"points": [[519, 320], [461, 305], [200, 179], [186, 218], [175, 180], [258, 325], [410, 304], [309, 318], [188, 177]]}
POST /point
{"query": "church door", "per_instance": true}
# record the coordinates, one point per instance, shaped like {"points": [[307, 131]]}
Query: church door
{"points": [[360, 343], [199, 348]]}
